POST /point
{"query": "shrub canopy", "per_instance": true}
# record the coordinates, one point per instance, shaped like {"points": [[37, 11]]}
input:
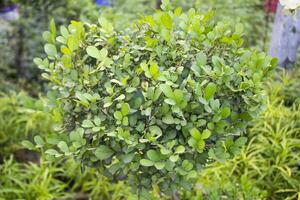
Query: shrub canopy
{"points": [[155, 103]]}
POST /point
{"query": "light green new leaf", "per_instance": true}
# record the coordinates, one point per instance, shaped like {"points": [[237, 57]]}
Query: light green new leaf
{"points": [[195, 133], [154, 70], [125, 109], [167, 90], [206, 134], [159, 165], [93, 52], [39, 140], [62, 145], [201, 59], [180, 149], [174, 158], [27, 144], [210, 91], [178, 95], [241, 141], [146, 162], [52, 152], [50, 50], [167, 21], [118, 115], [103, 54], [87, 124], [155, 131], [225, 112]]}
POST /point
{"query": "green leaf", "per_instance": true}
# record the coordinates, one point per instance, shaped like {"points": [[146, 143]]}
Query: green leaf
{"points": [[170, 102], [180, 149], [75, 136], [165, 151], [47, 36], [200, 145], [206, 134], [93, 52], [87, 124], [127, 158], [201, 59], [241, 141], [154, 155], [192, 142], [195, 133], [39, 141], [146, 162], [217, 61], [64, 32], [210, 91], [174, 158], [166, 34], [159, 165], [103, 152], [50, 50], [121, 97], [27, 144], [157, 94], [118, 115], [154, 70], [125, 121], [178, 95], [177, 11], [225, 112], [103, 54], [53, 27], [52, 152], [186, 165], [167, 20], [82, 99], [167, 90], [168, 119], [125, 108], [97, 121], [62, 145], [155, 131], [192, 175]]}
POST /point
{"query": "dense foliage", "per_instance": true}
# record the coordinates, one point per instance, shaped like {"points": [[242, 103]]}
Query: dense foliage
{"points": [[154, 101], [23, 42]]}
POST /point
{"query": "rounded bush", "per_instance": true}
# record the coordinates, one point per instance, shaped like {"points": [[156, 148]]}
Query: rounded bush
{"points": [[155, 103]]}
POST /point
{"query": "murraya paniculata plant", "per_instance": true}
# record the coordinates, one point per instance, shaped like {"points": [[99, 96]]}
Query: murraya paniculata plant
{"points": [[155, 103]]}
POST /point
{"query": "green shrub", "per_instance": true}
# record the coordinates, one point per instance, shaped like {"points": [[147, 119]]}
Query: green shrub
{"points": [[152, 104]]}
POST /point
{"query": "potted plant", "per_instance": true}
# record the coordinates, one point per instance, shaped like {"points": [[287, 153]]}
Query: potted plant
{"points": [[154, 104]]}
